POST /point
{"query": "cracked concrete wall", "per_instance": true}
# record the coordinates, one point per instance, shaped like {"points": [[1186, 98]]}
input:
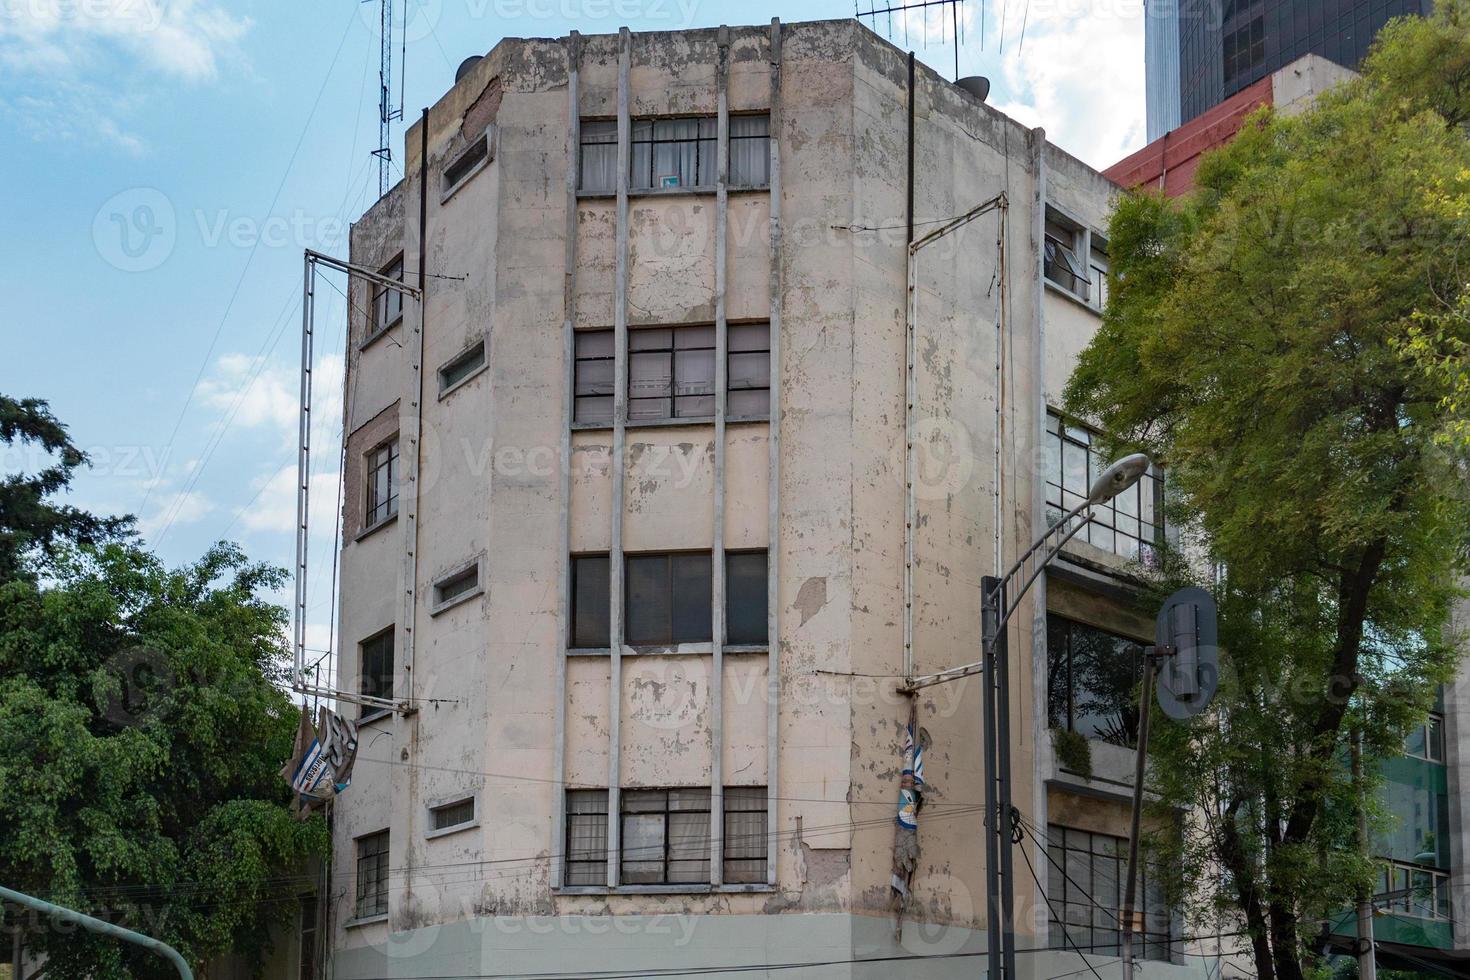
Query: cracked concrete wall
{"points": [[841, 493]]}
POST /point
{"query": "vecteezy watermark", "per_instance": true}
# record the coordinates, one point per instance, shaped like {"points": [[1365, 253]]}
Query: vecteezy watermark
{"points": [[116, 15], [137, 229], [676, 13]]}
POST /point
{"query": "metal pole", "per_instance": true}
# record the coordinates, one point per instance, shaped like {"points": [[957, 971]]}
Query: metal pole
{"points": [[1150, 665], [1367, 955], [1003, 788], [105, 928], [989, 622]]}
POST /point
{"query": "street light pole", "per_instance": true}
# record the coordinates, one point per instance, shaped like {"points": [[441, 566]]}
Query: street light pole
{"points": [[999, 599]]}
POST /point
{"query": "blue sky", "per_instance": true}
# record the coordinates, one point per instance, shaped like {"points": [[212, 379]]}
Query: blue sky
{"points": [[166, 161]]}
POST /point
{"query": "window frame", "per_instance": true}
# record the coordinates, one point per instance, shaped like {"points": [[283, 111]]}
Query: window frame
{"points": [[475, 565], [368, 713], [595, 132], [1059, 838], [572, 646], [381, 322], [371, 504], [308, 940], [379, 897], [1064, 239], [434, 807], [585, 390], [703, 845], [1105, 524], [1070, 721], [674, 641], [761, 844], [597, 818], [468, 354]]}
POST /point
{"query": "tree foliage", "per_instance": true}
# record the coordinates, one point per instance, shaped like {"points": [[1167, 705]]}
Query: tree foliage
{"points": [[29, 519], [142, 727], [1259, 340], [141, 733]]}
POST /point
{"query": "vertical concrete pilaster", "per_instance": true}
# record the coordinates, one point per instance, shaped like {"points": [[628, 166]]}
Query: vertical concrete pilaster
{"points": [[619, 454], [773, 549], [717, 557], [573, 45]]}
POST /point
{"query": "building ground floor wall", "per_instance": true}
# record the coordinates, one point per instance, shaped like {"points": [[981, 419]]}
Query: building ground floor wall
{"points": [[750, 945]]}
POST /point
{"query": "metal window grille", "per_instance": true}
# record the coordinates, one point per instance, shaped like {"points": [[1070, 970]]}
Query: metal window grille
{"points": [[1085, 896], [745, 834], [372, 875], [453, 814], [586, 848]]}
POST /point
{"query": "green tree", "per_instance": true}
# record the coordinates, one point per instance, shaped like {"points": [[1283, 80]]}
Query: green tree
{"points": [[29, 520], [1255, 342], [141, 733]]}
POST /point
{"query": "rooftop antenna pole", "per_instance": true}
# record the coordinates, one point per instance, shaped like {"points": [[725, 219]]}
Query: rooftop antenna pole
{"points": [[386, 111]]}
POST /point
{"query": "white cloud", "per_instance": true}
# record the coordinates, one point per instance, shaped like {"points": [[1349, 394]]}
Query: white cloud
{"points": [[177, 509], [254, 394], [1079, 73], [180, 38], [275, 508]]}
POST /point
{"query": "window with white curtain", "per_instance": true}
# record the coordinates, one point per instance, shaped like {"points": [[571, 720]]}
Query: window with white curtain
{"points": [[670, 153], [599, 164], [750, 151]]}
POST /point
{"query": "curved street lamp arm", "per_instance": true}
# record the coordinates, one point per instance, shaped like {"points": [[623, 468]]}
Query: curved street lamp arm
{"points": [[105, 928]]}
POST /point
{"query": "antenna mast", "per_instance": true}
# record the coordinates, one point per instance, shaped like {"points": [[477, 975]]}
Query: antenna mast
{"points": [[387, 113]]}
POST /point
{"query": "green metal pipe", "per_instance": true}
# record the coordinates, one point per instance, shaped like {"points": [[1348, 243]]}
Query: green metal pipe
{"points": [[105, 928]]}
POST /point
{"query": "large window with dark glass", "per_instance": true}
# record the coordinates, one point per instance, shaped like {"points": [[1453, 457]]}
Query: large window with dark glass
{"points": [[1244, 48], [671, 373], [1130, 525], [1085, 896], [1092, 681], [668, 599]]}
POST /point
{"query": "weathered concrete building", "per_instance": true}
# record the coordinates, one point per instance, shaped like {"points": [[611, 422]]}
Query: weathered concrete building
{"points": [[660, 493]]}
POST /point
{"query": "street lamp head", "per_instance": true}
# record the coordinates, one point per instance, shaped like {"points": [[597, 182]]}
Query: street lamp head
{"points": [[1117, 478]]}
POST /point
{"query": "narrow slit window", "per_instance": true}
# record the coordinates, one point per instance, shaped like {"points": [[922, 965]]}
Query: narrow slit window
{"points": [[598, 173], [591, 602], [456, 813], [466, 164], [748, 374], [464, 365], [456, 586]]}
